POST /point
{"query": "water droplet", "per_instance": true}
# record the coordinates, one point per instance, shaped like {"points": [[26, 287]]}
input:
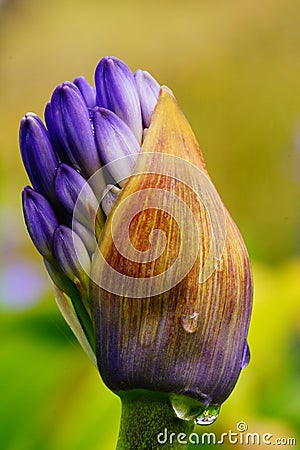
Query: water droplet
{"points": [[186, 408], [246, 356], [190, 322], [208, 416]]}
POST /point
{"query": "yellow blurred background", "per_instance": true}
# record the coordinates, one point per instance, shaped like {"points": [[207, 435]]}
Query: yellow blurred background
{"points": [[234, 67]]}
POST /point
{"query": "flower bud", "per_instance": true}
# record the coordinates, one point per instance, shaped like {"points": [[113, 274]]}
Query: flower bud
{"points": [[171, 280], [148, 92], [116, 91], [40, 220], [87, 237], [109, 197], [72, 256], [88, 92], [38, 155], [114, 141], [71, 119], [73, 190], [59, 149]]}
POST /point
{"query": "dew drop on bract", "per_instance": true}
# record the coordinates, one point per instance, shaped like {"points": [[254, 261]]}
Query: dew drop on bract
{"points": [[246, 356], [208, 416], [190, 322]]}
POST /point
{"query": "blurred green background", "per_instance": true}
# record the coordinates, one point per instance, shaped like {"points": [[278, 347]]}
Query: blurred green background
{"points": [[234, 66]]}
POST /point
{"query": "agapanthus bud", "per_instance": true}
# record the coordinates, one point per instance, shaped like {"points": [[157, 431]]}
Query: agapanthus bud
{"points": [[164, 285], [172, 286], [109, 197], [72, 256], [116, 91], [40, 220], [88, 92], [59, 149], [72, 124], [87, 237], [73, 190], [115, 140], [38, 155], [148, 92]]}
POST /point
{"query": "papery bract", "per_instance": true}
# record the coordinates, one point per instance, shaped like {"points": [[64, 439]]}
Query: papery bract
{"points": [[189, 339]]}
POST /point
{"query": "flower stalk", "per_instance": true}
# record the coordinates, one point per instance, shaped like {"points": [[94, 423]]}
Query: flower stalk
{"points": [[145, 417]]}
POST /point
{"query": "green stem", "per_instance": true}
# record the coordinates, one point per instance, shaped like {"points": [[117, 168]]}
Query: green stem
{"points": [[83, 317], [147, 422]]}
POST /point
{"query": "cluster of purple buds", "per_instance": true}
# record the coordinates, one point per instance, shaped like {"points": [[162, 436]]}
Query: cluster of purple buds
{"points": [[150, 270], [86, 127]]}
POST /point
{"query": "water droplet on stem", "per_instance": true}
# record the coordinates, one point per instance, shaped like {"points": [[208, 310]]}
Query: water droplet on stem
{"points": [[208, 416]]}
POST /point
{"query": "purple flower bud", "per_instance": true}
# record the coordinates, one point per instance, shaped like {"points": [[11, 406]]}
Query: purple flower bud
{"points": [[87, 237], [116, 90], [148, 92], [72, 124], [38, 155], [109, 197], [40, 220], [115, 140], [88, 92], [59, 149], [71, 255], [69, 184]]}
